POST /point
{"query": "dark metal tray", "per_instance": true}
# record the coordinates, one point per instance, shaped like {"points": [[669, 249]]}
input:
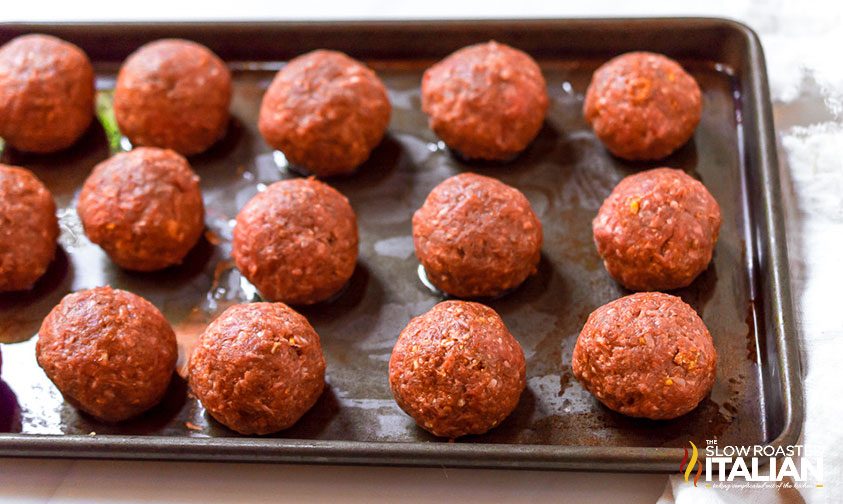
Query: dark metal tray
{"points": [[743, 297]]}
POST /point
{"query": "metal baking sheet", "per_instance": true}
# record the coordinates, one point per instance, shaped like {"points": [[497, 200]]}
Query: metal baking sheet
{"points": [[743, 297]]}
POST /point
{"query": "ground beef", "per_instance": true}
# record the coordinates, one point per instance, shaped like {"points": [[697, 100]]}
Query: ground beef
{"points": [[325, 112], [144, 208], [297, 241], [173, 94], [28, 228], [486, 101], [46, 93], [457, 370], [643, 105], [258, 368], [110, 353], [657, 230], [646, 355], [477, 237]]}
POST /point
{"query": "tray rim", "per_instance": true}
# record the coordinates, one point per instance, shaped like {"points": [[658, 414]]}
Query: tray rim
{"points": [[485, 455]]}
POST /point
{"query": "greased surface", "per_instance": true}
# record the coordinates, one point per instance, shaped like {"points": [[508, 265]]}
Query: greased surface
{"points": [[565, 173]]}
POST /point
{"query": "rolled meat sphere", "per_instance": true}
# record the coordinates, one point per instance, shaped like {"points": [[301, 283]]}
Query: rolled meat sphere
{"points": [[258, 368], [144, 208], [477, 237], [643, 106], [28, 229], [296, 241], [46, 93], [486, 101], [657, 230], [646, 355], [173, 94], [457, 370], [110, 353], [325, 112]]}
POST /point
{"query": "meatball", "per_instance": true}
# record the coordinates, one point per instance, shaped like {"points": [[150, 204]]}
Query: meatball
{"points": [[457, 370], [258, 368], [325, 112], [296, 241], [46, 93], [486, 101], [646, 355], [144, 208], [173, 94], [477, 237], [642, 105], [657, 230], [28, 228], [110, 353]]}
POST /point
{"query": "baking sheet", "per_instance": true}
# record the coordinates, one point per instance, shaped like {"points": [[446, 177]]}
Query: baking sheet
{"points": [[565, 174]]}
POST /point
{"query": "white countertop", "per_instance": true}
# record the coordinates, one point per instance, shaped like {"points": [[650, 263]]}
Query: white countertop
{"points": [[802, 41]]}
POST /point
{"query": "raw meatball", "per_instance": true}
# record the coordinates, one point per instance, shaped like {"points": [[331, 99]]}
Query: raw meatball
{"points": [[46, 93], [657, 230], [296, 241], [646, 355], [258, 368], [643, 105], [110, 353], [325, 112], [477, 237], [173, 94], [486, 101], [457, 370], [28, 228], [144, 208]]}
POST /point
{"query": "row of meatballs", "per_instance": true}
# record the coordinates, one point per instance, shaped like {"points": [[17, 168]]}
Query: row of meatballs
{"points": [[297, 241], [456, 370], [326, 111]]}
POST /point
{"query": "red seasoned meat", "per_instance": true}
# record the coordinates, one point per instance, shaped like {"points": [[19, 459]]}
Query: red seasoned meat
{"points": [[325, 112], [110, 353], [258, 368], [46, 93], [296, 241], [643, 105], [457, 370], [646, 355], [144, 208], [28, 228], [657, 230], [173, 94], [486, 101], [476, 236]]}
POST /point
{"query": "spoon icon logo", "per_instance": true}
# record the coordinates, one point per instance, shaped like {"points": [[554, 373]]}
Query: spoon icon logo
{"points": [[687, 466]]}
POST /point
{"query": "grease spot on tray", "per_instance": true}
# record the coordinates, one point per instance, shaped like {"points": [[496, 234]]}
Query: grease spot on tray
{"points": [[399, 247]]}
